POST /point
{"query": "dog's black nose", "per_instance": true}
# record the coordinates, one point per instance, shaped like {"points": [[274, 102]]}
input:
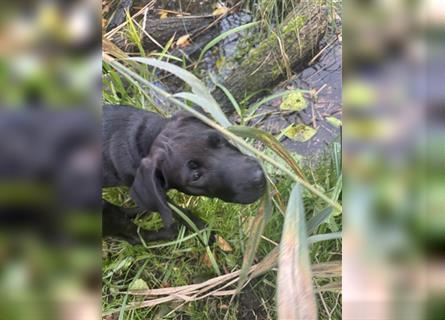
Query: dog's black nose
{"points": [[258, 178]]}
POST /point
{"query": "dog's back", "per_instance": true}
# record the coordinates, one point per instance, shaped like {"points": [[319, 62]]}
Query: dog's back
{"points": [[127, 134]]}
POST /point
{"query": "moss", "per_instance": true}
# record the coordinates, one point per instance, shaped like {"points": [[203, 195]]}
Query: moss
{"points": [[295, 24], [294, 101], [276, 71]]}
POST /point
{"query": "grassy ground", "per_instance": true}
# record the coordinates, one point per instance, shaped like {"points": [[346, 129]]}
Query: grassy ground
{"points": [[186, 260]]}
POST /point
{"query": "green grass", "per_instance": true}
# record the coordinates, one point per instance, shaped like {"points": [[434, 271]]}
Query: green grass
{"points": [[184, 263]]}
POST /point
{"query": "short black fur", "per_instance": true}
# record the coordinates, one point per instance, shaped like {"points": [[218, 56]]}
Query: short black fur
{"points": [[151, 155]]}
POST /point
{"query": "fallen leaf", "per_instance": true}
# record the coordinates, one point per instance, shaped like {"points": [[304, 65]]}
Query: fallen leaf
{"points": [[334, 121], [139, 284], [219, 63], [183, 41], [294, 101], [223, 244], [300, 132], [163, 14], [220, 10], [206, 260]]}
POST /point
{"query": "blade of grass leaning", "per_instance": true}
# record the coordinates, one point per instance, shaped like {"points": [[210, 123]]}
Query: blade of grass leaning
{"points": [[295, 294], [318, 219], [230, 97], [132, 76], [189, 222], [196, 99], [224, 35], [133, 34], [337, 157], [270, 141], [197, 86], [124, 302], [202, 237], [167, 47], [169, 244], [246, 99], [337, 190], [136, 83], [160, 55], [255, 233], [324, 237]]}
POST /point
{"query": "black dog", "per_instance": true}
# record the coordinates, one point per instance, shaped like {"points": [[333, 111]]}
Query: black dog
{"points": [[151, 155]]}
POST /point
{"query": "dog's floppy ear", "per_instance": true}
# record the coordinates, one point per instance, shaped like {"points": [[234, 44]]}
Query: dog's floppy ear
{"points": [[148, 189]]}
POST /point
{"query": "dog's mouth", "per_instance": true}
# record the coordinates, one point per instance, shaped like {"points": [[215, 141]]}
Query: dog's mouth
{"points": [[195, 191], [241, 194]]}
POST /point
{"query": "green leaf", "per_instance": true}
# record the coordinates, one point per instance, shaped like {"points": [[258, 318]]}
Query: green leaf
{"points": [[299, 132], [318, 219], [139, 284], [294, 102], [334, 121], [295, 293], [198, 87], [254, 107]]}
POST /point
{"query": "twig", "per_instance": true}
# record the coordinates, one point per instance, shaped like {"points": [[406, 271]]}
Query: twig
{"points": [[321, 51]]}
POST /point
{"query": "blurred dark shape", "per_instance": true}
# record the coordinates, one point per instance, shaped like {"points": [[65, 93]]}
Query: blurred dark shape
{"points": [[50, 54], [50, 223], [50, 200], [53, 156], [394, 155]]}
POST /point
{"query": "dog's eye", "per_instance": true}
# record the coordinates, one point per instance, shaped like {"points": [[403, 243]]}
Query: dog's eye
{"points": [[193, 165], [196, 175], [214, 140]]}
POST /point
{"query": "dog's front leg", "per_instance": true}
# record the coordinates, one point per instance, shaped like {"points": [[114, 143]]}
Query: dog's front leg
{"points": [[117, 222]]}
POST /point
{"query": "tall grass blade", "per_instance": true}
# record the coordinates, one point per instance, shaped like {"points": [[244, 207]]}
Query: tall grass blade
{"points": [[270, 141], [161, 55], [295, 293], [318, 219], [124, 302], [224, 35], [133, 34], [324, 237], [231, 99], [337, 157], [198, 88], [255, 233]]}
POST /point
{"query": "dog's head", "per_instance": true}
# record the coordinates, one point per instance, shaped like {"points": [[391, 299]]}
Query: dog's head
{"points": [[195, 159]]}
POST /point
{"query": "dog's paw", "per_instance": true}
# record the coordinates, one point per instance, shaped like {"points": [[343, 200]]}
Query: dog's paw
{"points": [[212, 238]]}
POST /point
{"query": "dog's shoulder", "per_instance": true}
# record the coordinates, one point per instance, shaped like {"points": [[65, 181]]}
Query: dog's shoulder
{"points": [[112, 111], [127, 136]]}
